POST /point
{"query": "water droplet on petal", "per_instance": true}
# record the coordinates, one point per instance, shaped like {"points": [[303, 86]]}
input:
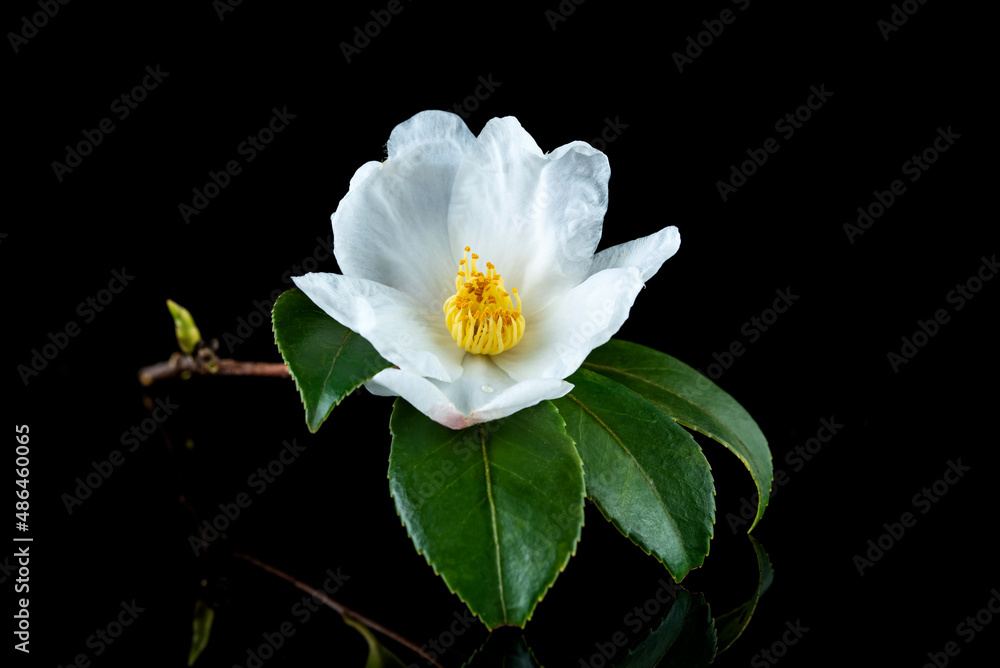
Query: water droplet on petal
{"points": [[487, 389]]}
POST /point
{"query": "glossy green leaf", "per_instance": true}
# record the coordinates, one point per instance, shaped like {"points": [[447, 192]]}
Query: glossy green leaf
{"points": [[731, 624], [327, 360], [644, 472], [684, 639], [496, 508], [201, 629], [691, 399], [378, 656]]}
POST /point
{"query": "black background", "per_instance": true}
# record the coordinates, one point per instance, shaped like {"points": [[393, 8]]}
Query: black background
{"points": [[607, 64]]}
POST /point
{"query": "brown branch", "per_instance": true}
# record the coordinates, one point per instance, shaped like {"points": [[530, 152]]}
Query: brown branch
{"points": [[179, 364], [339, 607], [228, 367]]}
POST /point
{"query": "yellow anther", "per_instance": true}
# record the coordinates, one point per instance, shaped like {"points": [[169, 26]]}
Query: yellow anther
{"points": [[480, 315]]}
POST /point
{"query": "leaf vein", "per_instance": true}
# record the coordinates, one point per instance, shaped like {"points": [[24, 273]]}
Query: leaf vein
{"points": [[493, 517], [326, 381]]}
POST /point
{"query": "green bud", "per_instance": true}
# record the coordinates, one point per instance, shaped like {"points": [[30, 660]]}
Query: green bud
{"points": [[188, 335]]}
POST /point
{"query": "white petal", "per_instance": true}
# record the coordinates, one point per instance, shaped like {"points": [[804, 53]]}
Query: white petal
{"points": [[483, 393], [557, 340], [525, 394], [362, 173], [536, 217], [428, 128], [647, 253], [399, 327], [421, 393], [391, 227]]}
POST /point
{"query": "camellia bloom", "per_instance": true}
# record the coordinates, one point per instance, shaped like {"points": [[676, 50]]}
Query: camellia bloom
{"points": [[412, 237]]}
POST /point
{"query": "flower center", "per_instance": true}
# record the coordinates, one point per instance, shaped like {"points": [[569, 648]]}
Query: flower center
{"points": [[480, 315]]}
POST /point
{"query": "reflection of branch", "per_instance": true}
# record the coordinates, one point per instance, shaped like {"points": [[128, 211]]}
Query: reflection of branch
{"points": [[179, 364], [339, 607]]}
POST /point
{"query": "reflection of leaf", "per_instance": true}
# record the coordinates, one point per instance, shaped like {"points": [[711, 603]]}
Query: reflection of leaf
{"points": [[732, 624], [685, 638], [378, 656], [643, 471], [496, 508], [503, 649], [327, 360], [201, 629], [691, 399]]}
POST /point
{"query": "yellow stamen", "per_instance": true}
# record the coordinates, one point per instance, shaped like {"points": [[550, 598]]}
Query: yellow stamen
{"points": [[480, 315]]}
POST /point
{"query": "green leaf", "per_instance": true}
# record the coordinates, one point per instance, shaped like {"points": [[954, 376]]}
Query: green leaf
{"points": [[691, 399], [684, 639], [644, 472], [201, 629], [496, 508], [327, 360], [378, 656], [732, 624]]}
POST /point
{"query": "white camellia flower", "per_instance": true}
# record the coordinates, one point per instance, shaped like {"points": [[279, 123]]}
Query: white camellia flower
{"points": [[473, 345]]}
